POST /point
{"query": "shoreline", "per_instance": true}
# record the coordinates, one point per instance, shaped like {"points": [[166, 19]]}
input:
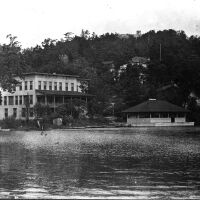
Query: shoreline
{"points": [[101, 128]]}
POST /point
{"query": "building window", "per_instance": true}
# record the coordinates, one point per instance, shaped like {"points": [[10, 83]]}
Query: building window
{"points": [[11, 100], [66, 86], [31, 85], [20, 86], [45, 85], [172, 115], [60, 86], [15, 112], [26, 85], [16, 100], [50, 85], [55, 85], [6, 112], [31, 112], [155, 115], [31, 99], [39, 85], [133, 115], [144, 115], [27, 100], [23, 112], [72, 86], [181, 115], [5, 100], [14, 88], [20, 100], [163, 115]]}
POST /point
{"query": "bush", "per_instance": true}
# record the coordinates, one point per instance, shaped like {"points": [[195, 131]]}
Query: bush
{"points": [[11, 122], [76, 108], [41, 110]]}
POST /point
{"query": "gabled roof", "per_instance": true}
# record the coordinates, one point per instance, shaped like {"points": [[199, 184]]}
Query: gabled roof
{"points": [[138, 59], [166, 87], [153, 105], [107, 62]]}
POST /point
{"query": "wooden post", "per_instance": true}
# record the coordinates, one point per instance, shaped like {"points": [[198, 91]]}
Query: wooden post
{"points": [[54, 103], [71, 105], [45, 99], [63, 99], [160, 52]]}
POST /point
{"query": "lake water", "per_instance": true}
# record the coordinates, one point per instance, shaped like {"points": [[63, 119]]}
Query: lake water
{"points": [[130, 163]]}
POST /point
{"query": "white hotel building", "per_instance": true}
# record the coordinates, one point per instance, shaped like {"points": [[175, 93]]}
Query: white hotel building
{"points": [[44, 88]]}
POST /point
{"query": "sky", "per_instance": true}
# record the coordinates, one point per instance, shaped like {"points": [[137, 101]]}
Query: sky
{"points": [[32, 21]]}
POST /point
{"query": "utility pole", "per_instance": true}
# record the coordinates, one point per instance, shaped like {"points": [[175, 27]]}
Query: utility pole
{"points": [[160, 52], [148, 44], [113, 109], [27, 104]]}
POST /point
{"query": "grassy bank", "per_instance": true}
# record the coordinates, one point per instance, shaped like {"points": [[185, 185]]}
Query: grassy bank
{"points": [[11, 123]]}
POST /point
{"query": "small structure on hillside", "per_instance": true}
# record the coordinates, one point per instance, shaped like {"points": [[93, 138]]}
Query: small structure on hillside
{"points": [[157, 113], [110, 65], [137, 60]]}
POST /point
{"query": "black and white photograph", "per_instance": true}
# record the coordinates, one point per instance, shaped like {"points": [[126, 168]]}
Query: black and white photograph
{"points": [[100, 99]]}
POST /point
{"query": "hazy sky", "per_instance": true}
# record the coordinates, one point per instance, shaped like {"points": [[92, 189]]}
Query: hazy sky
{"points": [[34, 20]]}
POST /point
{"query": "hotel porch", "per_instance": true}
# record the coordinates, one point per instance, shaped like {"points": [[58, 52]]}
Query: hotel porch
{"points": [[56, 98]]}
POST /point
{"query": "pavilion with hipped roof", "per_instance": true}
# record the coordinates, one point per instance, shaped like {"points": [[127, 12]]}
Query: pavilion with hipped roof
{"points": [[157, 113]]}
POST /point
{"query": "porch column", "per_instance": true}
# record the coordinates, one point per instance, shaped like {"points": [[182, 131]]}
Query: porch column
{"points": [[35, 99], [71, 105], [54, 103], [45, 99]]}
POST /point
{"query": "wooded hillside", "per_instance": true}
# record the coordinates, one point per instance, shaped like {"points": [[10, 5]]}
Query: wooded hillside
{"points": [[174, 60]]}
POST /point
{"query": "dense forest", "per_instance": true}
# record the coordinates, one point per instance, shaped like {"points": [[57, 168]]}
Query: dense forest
{"points": [[174, 59]]}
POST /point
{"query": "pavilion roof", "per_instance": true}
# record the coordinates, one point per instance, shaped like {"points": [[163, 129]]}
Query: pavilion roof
{"points": [[153, 105]]}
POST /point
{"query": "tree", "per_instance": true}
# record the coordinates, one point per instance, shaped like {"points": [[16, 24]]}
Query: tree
{"points": [[179, 64], [130, 85], [11, 63], [71, 108]]}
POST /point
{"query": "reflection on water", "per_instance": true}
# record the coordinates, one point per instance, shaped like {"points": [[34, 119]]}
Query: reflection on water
{"points": [[137, 163]]}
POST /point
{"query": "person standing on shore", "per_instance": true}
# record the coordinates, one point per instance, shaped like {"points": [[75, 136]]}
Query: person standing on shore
{"points": [[40, 123]]}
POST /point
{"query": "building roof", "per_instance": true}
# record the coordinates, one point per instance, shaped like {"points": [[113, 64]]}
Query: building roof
{"points": [[62, 93], [166, 87], [54, 74], [153, 105], [107, 62], [49, 74], [138, 59]]}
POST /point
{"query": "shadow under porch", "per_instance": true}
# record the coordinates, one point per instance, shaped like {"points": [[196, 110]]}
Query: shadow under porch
{"points": [[54, 100]]}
